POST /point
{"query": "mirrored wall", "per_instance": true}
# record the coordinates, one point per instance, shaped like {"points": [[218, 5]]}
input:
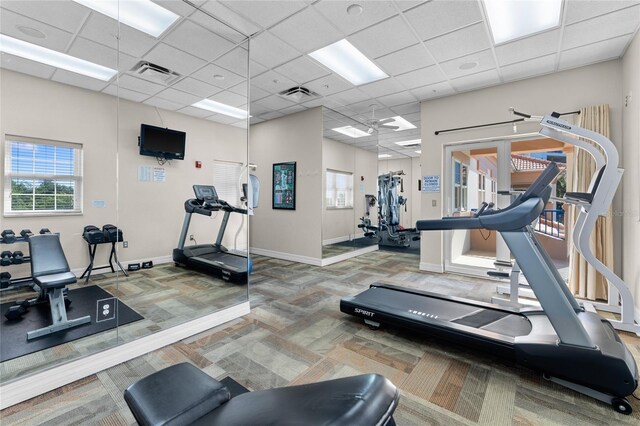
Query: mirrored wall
{"points": [[350, 169], [132, 164]]}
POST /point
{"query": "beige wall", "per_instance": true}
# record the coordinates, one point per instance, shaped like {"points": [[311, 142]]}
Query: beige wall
{"points": [[563, 91], [149, 213], [343, 223], [296, 137], [631, 163]]}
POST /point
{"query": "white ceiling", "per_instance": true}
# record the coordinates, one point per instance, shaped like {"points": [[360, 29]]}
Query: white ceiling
{"points": [[420, 44]]}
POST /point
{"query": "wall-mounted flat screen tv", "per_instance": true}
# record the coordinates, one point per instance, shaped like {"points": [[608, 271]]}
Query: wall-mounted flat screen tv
{"points": [[162, 143]]}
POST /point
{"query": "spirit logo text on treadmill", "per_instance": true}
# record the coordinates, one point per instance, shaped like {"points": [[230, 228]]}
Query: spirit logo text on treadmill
{"points": [[363, 312]]}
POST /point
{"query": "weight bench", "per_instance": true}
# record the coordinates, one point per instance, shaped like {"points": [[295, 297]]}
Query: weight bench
{"points": [[184, 395], [51, 272]]}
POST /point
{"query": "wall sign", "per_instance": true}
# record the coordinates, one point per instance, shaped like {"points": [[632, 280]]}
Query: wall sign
{"points": [[431, 183], [284, 186]]}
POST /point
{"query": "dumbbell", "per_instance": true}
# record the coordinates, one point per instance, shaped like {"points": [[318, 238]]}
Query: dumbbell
{"points": [[5, 279], [45, 231], [18, 257], [18, 310], [26, 233], [5, 258], [8, 236]]}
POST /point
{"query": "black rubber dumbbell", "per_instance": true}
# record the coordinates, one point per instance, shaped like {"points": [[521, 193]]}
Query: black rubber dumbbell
{"points": [[26, 233], [5, 279], [18, 310], [18, 257], [45, 231], [8, 236], [5, 258]]}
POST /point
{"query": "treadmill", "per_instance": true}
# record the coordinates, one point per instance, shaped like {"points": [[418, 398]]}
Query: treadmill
{"points": [[569, 345], [214, 259]]}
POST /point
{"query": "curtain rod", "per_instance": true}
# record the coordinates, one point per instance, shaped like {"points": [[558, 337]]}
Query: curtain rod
{"points": [[498, 123]]}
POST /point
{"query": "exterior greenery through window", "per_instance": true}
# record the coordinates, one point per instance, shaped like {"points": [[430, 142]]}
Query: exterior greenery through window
{"points": [[339, 190], [42, 177]]}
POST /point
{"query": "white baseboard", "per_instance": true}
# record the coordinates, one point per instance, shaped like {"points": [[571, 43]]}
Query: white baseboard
{"points": [[286, 256], [431, 267], [156, 261], [344, 256], [22, 389], [337, 240]]}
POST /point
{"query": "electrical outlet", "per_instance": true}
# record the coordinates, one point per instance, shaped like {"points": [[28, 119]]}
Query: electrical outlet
{"points": [[434, 203], [191, 238], [125, 244]]}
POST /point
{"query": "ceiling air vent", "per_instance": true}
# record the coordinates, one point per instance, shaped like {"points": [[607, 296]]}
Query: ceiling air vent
{"points": [[298, 94], [155, 73]]}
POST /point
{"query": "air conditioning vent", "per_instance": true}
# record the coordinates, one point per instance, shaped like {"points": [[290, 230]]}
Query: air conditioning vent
{"points": [[155, 73], [298, 94]]}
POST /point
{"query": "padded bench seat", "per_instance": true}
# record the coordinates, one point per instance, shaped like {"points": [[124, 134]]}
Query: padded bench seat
{"points": [[59, 280], [182, 395]]}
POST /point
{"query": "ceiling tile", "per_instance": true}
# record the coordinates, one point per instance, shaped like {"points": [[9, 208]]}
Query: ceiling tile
{"points": [[178, 97], [328, 85], [383, 38], [476, 81], [271, 115], [381, 88], [602, 28], [350, 96], [139, 85], [100, 54], [256, 68], [235, 61], [208, 73], [596, 52], [194, 39], [397, 99], [173, 59], [229, 98], [364, 107], [218, 26], [222, 119], [292, 109], [421, 77], [123, 93], [307, 31], [405, 60], [196, 87], [228, 16], [78, 80], [528, 48], [439, 17], [274, 102], [302, 70], [314, 103], [25, 66], [265, 13], [272, 82], [104, 30], [459, 43], [195, 112], [257, 93], [66, 15], [372, 12], [163, 104], [178, 7], [240, 89], [525, 69], [406, 108], [483, 60], [55, 39], [579, 10], [269, 50]]}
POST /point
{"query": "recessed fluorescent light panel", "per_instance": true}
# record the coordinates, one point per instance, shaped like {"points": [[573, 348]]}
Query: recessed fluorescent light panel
{"points": [[512, 19], [224, 109], [143, 15], [419, 151], [36, 53], [409, 143], [344, 59], [401, 123], [350, 131], [384, 156]]}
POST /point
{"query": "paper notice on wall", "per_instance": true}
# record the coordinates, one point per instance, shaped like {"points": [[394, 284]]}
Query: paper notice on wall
{"points": [[159, 174], [144, 173], [431, 183]]}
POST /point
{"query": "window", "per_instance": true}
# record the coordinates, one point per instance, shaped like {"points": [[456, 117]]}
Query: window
{"points": [[460, 175], [42, 177], [482, 186], [226, 179], [339, 190]]}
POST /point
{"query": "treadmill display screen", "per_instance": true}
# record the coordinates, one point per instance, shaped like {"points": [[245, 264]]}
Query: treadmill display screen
{"points": [[205, 192]]}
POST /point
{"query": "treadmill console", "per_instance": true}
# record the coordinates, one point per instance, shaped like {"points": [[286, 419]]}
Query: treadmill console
{"points": [[206, 193]]}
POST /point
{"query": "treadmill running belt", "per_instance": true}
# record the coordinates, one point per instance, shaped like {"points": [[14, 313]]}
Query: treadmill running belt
{"points": [[481, 318]]}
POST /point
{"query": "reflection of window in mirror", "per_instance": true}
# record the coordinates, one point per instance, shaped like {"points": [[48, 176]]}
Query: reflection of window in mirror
{"points": [[339, 190], [226, 179], [459, 186], [42, 177]]}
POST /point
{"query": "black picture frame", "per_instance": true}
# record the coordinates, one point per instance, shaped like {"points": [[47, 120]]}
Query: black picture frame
{"points": [[283, 186]]}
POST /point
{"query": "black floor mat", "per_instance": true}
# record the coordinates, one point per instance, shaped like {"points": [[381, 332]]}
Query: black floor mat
{"points": [[388, 245], [13, 334], [358, 242], [234, 387]]}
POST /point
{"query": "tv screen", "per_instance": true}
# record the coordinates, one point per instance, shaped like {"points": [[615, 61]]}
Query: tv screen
{"points": [[162, 143]]}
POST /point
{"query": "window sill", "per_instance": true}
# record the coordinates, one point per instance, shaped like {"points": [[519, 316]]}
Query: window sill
{"points": [[41, 214], [339, 208]]}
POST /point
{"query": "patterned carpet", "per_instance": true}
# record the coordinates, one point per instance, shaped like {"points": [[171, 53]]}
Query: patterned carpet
{"points": [[296, 334]]}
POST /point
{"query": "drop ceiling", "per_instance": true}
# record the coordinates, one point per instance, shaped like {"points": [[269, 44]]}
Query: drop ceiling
{"points": [[429, 49]]}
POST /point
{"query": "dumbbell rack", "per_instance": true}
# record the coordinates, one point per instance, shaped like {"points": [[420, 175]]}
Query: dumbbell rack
{"points": [[16, 283]]}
